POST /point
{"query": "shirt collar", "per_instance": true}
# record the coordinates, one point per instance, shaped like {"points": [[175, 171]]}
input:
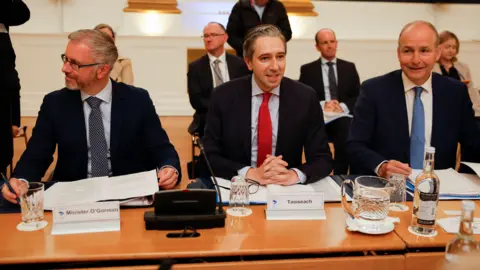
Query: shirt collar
{"points": [[105, 95], [325, 61], [222, 58], [257, 91], [409, 85]]}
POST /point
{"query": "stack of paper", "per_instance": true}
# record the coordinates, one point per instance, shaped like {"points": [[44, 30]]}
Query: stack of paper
{"points": [[326, 185], [452, 224], [332, 116], [101, 189], [452, 184]]}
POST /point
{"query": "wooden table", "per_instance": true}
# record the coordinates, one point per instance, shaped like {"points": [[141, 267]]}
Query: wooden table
{"points": [[243, 242], [425, 253]]}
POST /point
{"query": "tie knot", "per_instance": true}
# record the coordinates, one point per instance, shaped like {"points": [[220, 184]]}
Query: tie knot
{"points": [[94, 102], [418, 91], [330, 64], [216, 62], [266, 97]]}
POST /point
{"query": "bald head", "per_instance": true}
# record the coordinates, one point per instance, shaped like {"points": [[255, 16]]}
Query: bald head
{"points": [[326, 43], [422, 26], [322, 33]]}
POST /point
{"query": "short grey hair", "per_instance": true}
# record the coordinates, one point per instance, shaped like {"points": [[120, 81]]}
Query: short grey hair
{"points": [[419, 22], [263, 30], [102, 45]]}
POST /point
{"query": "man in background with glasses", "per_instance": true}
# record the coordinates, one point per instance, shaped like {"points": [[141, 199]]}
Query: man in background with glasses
{"points": [[100, 127], [258, 126], [209, 71]]}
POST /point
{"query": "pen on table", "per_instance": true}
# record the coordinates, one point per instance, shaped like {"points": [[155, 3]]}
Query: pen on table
{"points": [[10, 187]]}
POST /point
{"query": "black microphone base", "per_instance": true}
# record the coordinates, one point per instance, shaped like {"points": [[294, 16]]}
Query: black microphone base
{"points": [[179, 222]]}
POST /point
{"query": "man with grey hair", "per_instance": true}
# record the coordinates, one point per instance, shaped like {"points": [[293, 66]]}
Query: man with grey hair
{"points": [[259, 125], [100, 127], [400, 113]]}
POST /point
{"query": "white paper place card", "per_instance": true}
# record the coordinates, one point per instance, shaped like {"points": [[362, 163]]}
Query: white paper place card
{"points": [[295, 201], [92, 217], [452, 224]]}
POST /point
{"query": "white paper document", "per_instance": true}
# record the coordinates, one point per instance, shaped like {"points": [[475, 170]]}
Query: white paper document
{"points": [[326, 185], [332, 116], [101, 189], [453, 185], [452, 224]]}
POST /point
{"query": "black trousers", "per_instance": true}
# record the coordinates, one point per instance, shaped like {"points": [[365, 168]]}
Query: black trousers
{"points": [[337, 132]]}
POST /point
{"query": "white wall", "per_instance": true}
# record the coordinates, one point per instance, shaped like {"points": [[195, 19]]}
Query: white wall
{"points": [[157, 43]]}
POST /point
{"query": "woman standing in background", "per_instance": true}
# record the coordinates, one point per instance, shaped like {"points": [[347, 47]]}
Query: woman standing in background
{"points": [[448, 65], [122, 70]]}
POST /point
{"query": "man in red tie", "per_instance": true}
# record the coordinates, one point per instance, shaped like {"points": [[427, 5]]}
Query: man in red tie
{"points": [[258, 126]]}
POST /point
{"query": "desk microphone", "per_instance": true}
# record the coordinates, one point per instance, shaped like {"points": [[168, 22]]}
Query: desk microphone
{"points": [[202, 149]]}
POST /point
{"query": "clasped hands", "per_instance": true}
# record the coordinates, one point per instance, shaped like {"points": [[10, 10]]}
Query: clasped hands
{"points": [[273, 171], [332, 106]]}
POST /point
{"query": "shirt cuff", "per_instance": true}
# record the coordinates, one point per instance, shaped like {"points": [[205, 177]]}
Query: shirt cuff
{"points": [[302, 178], [344, 107], [243, 171], [322, 103], [169, 166], [378, 167]]}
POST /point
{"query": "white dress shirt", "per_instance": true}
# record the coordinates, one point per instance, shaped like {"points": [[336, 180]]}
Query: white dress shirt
{"points": [[106, 108], [222, 66], [273, 106], [259, 10], [326, 83], [427, 100]]}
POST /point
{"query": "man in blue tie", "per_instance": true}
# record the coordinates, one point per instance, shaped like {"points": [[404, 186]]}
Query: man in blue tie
{"points": [[400, 113], [100, 127]]}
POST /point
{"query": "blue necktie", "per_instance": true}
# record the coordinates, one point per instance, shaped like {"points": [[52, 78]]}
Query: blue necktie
{"points": [[417, 138], [98, 143]]}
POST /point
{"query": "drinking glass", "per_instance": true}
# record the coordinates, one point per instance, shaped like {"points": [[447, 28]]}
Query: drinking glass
{"points": [[31, 205], [398, 192], [239, 198]]}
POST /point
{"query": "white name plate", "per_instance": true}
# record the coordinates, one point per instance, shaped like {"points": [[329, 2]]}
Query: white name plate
{"points": [[295, 201], [92, 217]]}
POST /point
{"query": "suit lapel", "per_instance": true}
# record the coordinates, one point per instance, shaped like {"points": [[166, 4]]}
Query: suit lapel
{"points": [[286, 106], [398, 107], [118, 110], [437, 113], [207, 72], [78, 116], [245, 123], [232, 70], [321, 86], [340, 78]]}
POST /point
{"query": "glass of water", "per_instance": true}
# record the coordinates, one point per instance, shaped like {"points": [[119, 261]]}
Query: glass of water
{"points": [[31, 204], [398, 192], [239, 198]]}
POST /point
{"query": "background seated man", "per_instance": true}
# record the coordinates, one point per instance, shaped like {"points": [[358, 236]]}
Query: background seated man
{"points": [[209, 71], [255, 126], [101, 127], [337, 84]]}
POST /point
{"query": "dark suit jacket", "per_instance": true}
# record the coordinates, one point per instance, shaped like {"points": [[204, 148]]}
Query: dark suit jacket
{"points": [[12, 13], [244, 17], [137, 141], [228, 133], [379, 130], [200, 85], [348, 80]]}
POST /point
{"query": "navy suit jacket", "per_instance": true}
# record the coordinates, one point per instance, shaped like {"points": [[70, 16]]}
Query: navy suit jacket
{"points": [[228, 134], [379, 130], [137, 140], [200, 85], [348, 80]]}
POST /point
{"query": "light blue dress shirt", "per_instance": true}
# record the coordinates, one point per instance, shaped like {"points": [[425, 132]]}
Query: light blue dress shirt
{"points": [[273, 106], [106, 108], [326, 83]]}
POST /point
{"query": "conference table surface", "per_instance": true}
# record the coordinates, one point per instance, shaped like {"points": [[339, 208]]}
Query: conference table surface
{"points": [[253, 235]]}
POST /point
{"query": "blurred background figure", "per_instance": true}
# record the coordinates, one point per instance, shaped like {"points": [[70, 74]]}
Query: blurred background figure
{"points": [[12, 13], [246, 14], [448, 65], [122, 70]]}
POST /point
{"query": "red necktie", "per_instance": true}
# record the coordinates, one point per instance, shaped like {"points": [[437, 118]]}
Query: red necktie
{"points": [[264, 131]]}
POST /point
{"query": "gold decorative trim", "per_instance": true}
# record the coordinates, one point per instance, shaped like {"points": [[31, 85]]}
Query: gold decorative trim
{"points": [[299, 7], [162, 6]]}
